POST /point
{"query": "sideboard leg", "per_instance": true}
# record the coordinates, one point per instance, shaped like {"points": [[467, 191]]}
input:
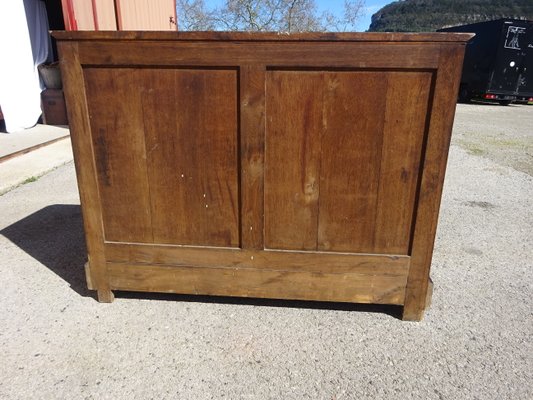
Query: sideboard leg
{"points": [[412, 315], [429, 295], [105, 296], [88, 277], [414, 308]]}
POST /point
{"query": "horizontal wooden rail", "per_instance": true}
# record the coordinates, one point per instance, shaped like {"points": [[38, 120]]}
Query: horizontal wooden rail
{"points": [[353, 55], [267, 283], [274, 260]]}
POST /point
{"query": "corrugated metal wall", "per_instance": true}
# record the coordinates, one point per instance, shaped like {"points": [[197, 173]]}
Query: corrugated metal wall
{"points": [[147, 14], [155, 15], [80, 15], [105, 15]]}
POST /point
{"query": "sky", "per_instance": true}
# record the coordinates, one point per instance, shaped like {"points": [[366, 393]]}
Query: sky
{"points": [[336, 7]]}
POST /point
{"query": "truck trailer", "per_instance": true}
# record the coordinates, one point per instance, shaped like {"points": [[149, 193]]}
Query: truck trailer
{"points": [[498, 62]]}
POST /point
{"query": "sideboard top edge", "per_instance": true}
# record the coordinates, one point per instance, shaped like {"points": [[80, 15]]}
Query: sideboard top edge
{"points": [[264, 36]]}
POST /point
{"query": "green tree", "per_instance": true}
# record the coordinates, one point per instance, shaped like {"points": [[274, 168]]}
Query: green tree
{"points": [[429, 15], [266, 15]]}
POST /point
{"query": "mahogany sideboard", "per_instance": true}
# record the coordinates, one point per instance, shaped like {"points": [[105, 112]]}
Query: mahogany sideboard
{"points": [[302, 166]]}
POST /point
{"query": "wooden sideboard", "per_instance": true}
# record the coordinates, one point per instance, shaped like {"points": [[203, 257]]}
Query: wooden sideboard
{"points": [[305, 166]]}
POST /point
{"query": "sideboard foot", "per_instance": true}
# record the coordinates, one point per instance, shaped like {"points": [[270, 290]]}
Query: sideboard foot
{"points": [[412, 315], [105, 296], [429, 294], [414, 311], [88, 277]]}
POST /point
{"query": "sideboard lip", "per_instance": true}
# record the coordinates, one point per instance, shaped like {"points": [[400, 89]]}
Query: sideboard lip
{"points": [[431, 37]]}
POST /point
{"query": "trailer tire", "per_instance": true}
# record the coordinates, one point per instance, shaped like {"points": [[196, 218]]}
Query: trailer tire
{"points": [[464, 94]]}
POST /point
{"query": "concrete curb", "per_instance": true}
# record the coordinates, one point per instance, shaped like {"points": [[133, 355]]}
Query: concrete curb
{"points": [[28, 167]]}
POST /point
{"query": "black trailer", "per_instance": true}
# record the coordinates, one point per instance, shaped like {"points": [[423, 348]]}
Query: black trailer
{"points": [[498, 62]]}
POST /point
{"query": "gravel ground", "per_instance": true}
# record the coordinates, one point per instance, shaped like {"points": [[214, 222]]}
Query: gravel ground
{"points": [[503, 134], [57, 342]]}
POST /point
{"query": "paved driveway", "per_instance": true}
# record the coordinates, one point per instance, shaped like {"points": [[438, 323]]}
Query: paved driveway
{"points": [[57, 342]]}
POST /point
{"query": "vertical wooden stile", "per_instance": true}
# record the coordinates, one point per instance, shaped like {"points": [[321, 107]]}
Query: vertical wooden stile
{"points": [[434, 168], [74, 87], [252, 144]]}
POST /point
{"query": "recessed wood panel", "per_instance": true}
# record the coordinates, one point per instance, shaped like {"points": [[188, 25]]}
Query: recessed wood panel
{"points": [[292, 159], [120, 153], [178, 183], [342, 157], [350, 159], [404, 128], [191, 139]]}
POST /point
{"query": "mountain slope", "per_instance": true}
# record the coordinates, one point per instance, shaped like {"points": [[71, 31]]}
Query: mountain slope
{"points": [[429, 15]]}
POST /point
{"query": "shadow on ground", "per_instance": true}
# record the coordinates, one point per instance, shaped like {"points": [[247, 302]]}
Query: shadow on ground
{"points": [[54, 236], [393, 311]]}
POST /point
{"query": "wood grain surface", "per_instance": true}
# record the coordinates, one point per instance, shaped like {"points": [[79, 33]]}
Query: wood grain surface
{"points": [[86, 172], [262, 165], [265, 283], [174, 173], [369, 264], [433, 37], [432, 180], [342, 158]]}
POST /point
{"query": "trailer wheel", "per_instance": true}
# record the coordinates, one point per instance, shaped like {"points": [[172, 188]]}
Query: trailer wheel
{"points": [[504, 102], [464, 95]]}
